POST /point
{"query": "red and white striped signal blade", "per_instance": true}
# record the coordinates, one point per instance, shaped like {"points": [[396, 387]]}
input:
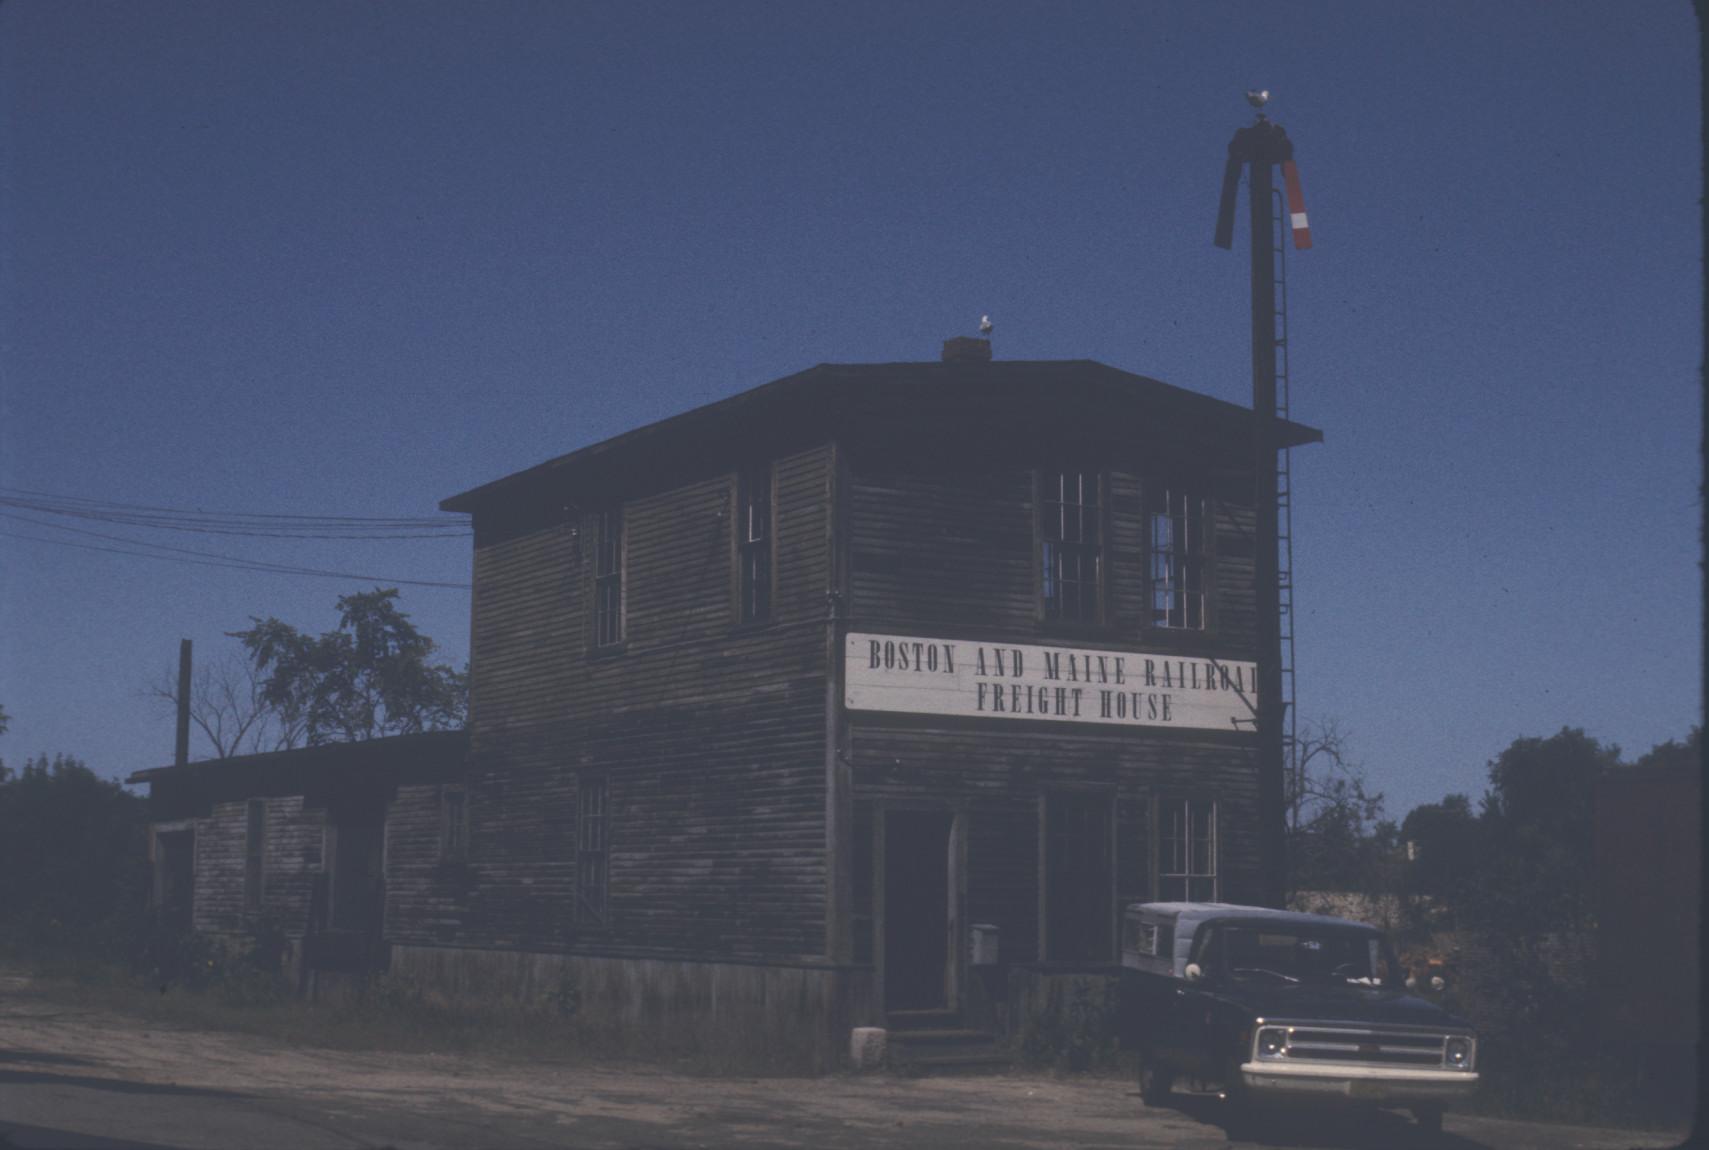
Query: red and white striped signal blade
{"points": [[1296, 206]]}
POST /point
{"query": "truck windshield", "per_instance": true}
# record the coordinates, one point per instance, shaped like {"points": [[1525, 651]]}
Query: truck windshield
{"points": [[1288, 954]]}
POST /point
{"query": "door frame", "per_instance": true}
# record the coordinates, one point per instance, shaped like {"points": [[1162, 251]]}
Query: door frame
{"points": [[956, 956]]}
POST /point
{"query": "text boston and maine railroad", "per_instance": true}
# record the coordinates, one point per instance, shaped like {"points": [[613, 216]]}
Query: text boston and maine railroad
{"points": [[937, 676]]}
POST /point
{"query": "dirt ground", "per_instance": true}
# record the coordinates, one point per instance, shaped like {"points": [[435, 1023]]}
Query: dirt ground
{"points": [[84, 1077]]}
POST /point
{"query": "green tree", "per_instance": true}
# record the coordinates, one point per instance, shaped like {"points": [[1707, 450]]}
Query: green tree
{"points": [[1671, 754], [72, 852], [374, 676], [1444, 846]]}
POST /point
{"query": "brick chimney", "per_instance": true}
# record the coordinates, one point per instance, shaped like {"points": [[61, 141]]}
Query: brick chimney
{"points": [[966, 349]]}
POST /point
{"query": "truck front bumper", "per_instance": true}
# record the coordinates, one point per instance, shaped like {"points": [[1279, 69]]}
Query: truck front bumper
{"points": [[1382, 1085]]}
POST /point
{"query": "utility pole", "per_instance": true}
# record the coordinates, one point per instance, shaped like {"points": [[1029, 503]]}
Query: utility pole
{"points": [[1258, 148], [182, 754]]}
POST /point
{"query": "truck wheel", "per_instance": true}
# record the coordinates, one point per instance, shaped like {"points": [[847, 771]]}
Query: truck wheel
{"points": [[1155, 1082], [1429, 1118]]}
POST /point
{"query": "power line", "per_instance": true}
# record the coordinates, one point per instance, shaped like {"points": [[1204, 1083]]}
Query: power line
{"points": [[254, 524], [207, 558]]}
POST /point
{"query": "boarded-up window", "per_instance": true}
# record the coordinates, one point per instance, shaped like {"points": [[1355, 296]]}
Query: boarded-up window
{"points": [[454, 823], [593, 849], [1188, 868], [753, 542], [608, 579], [1070, 546], [254, 854], [1177, 558]]}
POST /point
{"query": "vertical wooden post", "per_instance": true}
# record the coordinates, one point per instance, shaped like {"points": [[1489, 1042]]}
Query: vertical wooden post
{"points": [[839, 805], [182, 754]]}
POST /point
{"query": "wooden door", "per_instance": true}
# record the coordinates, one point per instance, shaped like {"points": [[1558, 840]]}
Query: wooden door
{"points": [[917, 950]]}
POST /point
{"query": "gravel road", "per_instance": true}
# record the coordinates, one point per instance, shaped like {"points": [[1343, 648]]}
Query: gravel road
{"points": [[90, 1078]]}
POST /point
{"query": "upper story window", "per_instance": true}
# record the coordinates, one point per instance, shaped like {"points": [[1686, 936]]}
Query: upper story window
{"points": [[753, 542], [1177, 519], [1071, 547], [608, 579]]}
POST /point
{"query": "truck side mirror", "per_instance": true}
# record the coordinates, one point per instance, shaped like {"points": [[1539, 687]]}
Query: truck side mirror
{"points": [[1194, 972]]}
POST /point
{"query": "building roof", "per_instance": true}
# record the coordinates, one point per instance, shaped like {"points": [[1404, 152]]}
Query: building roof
{"points": [[827, 395], [426, 753]]}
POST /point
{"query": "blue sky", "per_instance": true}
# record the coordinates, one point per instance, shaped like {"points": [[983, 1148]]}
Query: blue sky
{"points": [[351, 259]]}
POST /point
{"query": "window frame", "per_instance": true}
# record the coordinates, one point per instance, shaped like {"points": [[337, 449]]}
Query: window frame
{"points": [[1164, 872], [609, 621], [1097, 549], [593, 914], [747, 551], [254, 855], [453, 823], [1189, 565]]}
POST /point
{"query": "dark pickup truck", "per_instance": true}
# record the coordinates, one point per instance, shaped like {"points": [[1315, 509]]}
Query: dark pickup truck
{"points": [[1267, 1005]]}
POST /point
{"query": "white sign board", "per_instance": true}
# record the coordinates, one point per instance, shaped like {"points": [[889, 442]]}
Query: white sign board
{"points": [[920, 676]]}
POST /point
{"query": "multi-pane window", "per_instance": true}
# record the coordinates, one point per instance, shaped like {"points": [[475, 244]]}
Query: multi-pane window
{"points": [[593, 848], [1070, 545], [753, 542], [608, 579], [1177, 558], [454, 823], [1187, 870], [254, 853]]}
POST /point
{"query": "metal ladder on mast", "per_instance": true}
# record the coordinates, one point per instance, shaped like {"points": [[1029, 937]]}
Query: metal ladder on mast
{"points": [[1279, 232]]}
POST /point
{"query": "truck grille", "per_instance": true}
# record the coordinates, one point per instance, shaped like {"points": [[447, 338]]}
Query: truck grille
{"points": [[1366, 1047]]}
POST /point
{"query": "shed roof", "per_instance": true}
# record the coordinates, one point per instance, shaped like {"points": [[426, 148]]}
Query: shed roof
{"points": [[426, 754], [830, 392]]}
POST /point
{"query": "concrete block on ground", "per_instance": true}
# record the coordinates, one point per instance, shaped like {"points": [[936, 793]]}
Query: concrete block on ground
{"points": [[867, 1047]]}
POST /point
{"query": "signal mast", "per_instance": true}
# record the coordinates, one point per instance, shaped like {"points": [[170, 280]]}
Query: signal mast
{"points": [[1259, 147]]}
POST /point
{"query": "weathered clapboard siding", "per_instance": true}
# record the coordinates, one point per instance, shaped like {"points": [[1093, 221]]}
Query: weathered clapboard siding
{"points": [[294, 844], [426, 892], [219, 869], [943, 547], [1233, 574], [999, 776], [292, 853], [709, 731], [935, 546]]}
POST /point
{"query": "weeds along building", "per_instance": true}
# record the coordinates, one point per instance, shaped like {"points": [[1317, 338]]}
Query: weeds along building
{"points": [[875, 689]]}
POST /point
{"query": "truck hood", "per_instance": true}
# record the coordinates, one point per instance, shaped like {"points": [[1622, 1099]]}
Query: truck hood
{"points": [[1377, 1005]]}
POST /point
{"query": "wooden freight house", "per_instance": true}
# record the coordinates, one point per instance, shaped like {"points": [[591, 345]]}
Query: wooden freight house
{"points": [[779, 703]]}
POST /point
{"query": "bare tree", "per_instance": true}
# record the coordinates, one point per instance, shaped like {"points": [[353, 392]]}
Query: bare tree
{"points": [[228, 706], [1323, 777]]}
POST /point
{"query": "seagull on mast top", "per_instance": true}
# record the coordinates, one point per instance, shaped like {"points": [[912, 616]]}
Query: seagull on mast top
{"points": [[984, 325], [1257, 97]]}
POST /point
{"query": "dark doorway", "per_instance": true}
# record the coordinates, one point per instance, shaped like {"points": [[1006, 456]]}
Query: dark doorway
{"points": [[358, 890], [1079, 887], [916, 909], [175, 878]]}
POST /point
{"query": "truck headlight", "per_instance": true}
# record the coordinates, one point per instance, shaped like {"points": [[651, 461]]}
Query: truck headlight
{"points": [[1457, 1054], [1272, 1041]]}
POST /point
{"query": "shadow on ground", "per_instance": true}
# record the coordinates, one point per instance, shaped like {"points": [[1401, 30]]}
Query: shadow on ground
{"points": [[46, 1058], [15, 1137], [1325, 1129], [115, 1085]]}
